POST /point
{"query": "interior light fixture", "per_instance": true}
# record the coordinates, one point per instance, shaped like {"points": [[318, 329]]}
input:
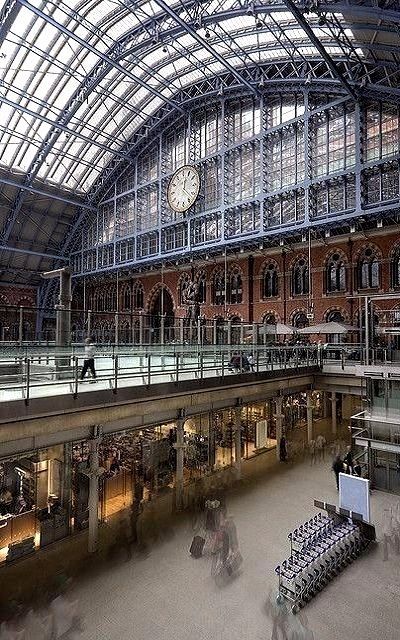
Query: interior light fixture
{"points": [[327, 233], [259, 23], [322, 21], [352, 228], [379, 223], [207, 34], [165, 49]]}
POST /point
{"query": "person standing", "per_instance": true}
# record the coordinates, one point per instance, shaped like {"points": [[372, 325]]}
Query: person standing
{"points": [[348, 460], [282, 449], [88, 362], [337, 467]]}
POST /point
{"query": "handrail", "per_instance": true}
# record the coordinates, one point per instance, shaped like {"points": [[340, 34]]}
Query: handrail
{"points": [[186, 365]]}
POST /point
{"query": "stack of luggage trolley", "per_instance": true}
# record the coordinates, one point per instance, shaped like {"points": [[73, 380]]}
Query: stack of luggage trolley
{"points": [[319, 549]]}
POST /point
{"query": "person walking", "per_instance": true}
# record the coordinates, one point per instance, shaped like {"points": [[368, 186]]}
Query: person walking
{"points": [[348, 460], [88, 362], [282, 449], [337, 467]]}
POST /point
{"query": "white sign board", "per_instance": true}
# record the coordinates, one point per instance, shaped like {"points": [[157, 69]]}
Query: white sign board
{"points": [[261, 434], [354, 494]]}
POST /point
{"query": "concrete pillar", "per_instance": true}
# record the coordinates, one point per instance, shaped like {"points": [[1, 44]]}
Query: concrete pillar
{"points": [[93, 473], [334, 413], [199, 337], [214, 331], [181, 331], [278, 423], [310, 429], [238, 443], [179, 446], [229, 332]]}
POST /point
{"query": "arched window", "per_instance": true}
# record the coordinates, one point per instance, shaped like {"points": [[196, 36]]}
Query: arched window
{"points": [[300, 278], [300, 320], [335, 316], [126, 298], [270, 282], [395, 269], [183, 285], [138, 296], [202, 291], [368, 270], [335, 274], [219, 288], [235, 288]]}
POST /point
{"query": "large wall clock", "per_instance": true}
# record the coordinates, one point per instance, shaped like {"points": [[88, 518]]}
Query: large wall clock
{"points": [[183, 188]]}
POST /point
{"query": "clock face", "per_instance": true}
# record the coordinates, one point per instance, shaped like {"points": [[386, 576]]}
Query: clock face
{"points": [[183, 188]]}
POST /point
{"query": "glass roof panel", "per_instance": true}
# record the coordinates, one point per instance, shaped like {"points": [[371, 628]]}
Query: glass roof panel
{"points": [[50, 74]]}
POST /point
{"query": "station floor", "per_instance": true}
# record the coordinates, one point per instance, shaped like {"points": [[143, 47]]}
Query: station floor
{"points": [[168, 595]]}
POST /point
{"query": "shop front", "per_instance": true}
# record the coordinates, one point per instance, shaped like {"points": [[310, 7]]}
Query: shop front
{"points": [[34, 501]]}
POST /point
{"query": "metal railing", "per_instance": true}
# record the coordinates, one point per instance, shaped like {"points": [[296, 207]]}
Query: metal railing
{"points": [[39, 374]]}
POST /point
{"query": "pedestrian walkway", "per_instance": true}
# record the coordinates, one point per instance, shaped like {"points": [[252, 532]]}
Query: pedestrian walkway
{"points": [[168, 595]]}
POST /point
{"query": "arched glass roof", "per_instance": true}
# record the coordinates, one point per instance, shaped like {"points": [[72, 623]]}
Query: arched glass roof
{"points": [[80, 78]]}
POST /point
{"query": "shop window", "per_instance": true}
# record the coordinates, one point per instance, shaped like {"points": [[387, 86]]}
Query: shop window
{"points": [[300, 278], [270, 282], [32, 508], [335, 274], [368, 270]]}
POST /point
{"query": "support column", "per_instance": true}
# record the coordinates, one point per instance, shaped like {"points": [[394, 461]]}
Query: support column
{"points": [[162, 329], [215, 331], [21, 326], [94, 473], [238, 442], [278, 423], [310, 428], [89, 323], [179, 446], [141, 329], [116, 332], [334, 413], [181, 331]]}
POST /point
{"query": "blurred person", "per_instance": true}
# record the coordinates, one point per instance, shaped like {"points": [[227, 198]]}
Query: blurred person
{"points": [[312, 449], [283, 449], [320, 444], [348, 461], [88, 362], [337, 467]]}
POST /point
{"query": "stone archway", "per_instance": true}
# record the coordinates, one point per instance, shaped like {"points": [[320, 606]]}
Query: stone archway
{"points": [[162, 304]]}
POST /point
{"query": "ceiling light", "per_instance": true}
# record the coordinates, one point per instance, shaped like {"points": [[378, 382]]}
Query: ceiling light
{"points": [[352, 228], [259, 23], [379, 223], [165, 49], [322, 20], [207, 34]]}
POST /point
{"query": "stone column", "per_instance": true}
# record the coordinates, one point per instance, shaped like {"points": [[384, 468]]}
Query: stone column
{"points": [[238, 444], [21, 325], [93, 473], [310, 430], [229, 332], [214, 331], [334, 413], [162, 329], [279, 423], [181, 331], [179, 446]]}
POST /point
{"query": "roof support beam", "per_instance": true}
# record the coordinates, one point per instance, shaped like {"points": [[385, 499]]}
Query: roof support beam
{"points": [[163, 5], [293, 8], [46, 194], [32, 253], [97, 53]]}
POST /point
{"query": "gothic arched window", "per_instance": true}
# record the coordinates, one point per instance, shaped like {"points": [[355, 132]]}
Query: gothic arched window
{"points": [[335, 274], [235, 289], [300, 320], [300, 278], [219, 288], [270, 282], [368, 270], [126, 298], [138, 296], [395, 269], [202, 291], [183, 285]]}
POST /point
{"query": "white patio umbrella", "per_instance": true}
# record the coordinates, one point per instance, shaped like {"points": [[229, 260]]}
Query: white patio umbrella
{"points": [[327, 328], [278, 329]]}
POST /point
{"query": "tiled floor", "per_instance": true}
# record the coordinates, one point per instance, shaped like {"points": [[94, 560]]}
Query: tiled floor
{"points": [[170, 596]]}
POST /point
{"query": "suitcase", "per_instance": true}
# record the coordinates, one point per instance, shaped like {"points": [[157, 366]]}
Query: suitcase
{"points": [[196, 548], [233, 562]]}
